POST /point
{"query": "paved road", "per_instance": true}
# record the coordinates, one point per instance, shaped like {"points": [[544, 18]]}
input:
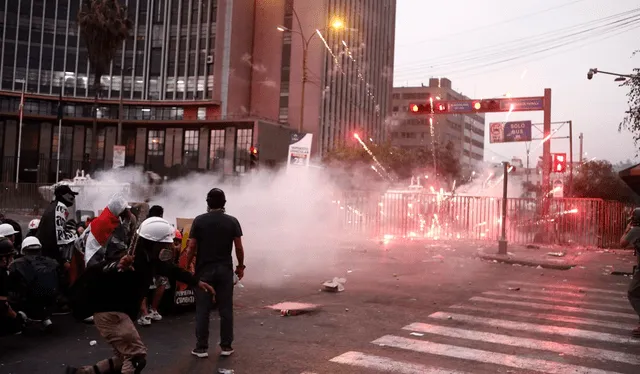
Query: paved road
{"points": [[406, 309]]}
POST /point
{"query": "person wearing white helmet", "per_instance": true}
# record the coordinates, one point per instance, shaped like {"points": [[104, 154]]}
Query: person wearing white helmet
{"points": [[32, 227], [112, 292], [7, 231], [34, 282]]}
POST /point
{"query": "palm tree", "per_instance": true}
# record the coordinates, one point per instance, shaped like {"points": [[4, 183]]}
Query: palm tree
{"points": [[104, 25]]}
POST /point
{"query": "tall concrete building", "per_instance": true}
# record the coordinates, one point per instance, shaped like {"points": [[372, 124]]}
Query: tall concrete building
{"points": [[465, 131], [196, 85]]}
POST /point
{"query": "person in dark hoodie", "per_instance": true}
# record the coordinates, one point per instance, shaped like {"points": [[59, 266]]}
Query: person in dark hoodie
{"points": [[11, 322], [57, 230], [112, 292]]}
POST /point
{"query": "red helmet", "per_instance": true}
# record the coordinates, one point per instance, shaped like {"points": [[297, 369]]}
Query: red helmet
{"points": [[178, 235]]}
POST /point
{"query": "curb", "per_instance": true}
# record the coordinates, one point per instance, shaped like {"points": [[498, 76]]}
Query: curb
{"points": [[546, 264]]}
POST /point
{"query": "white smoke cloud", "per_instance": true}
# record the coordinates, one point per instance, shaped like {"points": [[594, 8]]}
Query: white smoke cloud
{"points": [[290, 225]]}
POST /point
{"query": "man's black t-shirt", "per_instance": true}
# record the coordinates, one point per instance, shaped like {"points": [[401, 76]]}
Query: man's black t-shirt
{"points": [[214, 233]]}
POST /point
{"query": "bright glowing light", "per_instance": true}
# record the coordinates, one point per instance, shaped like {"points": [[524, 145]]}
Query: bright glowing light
{"points": [[281, 28], [477, 105], [414, 108], [355, 135], [337, 24], [437, 97]]}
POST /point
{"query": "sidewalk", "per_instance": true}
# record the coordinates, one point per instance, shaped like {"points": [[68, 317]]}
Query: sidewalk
{"points": [[548, 257]]}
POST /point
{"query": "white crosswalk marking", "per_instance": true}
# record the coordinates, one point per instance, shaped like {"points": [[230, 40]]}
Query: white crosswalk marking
{"points": [[567, 349], [388, 365], [579, 295], [568, 288], [557, 308], [549, 317], [532, 327], [611, 305], [484, 356], [491, 330]]}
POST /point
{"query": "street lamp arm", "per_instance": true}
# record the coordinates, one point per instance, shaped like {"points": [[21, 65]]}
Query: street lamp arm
{"points": [[596, 71]]}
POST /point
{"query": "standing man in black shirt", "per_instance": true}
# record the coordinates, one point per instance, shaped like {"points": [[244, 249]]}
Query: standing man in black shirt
{"points": [[212, 238]]}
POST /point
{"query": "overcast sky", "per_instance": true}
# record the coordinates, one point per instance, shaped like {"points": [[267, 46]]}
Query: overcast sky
{"points": [[464, 40]]}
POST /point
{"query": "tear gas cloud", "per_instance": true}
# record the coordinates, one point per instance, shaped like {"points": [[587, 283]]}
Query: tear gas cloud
{"points": [[290, 225]]}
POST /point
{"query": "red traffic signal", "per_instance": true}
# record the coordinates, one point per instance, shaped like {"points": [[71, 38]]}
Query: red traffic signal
{"points": [[559, 162], [420, 108], [254, 150], [440, 107]]}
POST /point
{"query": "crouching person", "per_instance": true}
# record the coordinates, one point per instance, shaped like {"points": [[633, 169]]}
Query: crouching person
{"points": [[112, 292], [11, 322], [34, 280]]}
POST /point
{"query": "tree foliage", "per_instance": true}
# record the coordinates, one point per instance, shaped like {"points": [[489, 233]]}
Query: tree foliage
{"points": [[400, 162], [598, 179], [631, 120], [104, 25]]}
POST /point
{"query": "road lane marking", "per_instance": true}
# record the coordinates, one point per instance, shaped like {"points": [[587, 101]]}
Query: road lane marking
{"points": [[388, 365], [532, 327], [488, 357], [618, 305], [557, 308], [569, 288], [578, 295], [545, 345], [549, 317]]}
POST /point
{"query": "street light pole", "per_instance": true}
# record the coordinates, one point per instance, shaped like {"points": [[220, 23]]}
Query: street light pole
{"points": [[502, 243], [620, 77]]}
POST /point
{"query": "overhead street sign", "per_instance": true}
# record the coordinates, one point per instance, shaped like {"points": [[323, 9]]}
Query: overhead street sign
{"points": [[522, 104], [510, 132]]}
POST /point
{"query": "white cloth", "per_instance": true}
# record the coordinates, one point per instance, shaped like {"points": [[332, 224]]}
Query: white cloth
{"points": [[63, 234]]}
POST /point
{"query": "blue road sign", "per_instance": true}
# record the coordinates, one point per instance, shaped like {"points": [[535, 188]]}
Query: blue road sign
{"points": [[533, 103], [460, 106], [509, 132]]}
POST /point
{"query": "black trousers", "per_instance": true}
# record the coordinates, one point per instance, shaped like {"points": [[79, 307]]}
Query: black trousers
{"points": [[220, 277]]}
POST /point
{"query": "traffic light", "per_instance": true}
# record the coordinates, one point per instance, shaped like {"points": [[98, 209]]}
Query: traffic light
{"points": [[559, 162], [486, 105], [420, 108], [253, 158], [440, 107]]}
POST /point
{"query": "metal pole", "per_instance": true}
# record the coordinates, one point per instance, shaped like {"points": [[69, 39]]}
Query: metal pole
{"points": [[59, 141], [546, 150], [305, 47], [22, 102], [120, 110], [580, 137], [502, 243], [570, 158]]}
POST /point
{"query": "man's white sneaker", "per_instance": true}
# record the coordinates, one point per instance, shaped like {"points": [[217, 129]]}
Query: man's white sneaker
{"points": [[154, 315], [144, 321]]}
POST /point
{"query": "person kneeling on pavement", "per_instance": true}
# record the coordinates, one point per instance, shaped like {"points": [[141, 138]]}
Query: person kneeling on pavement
{"points": [[11, 322], [34, 282], [632, 237], [112, 291]]}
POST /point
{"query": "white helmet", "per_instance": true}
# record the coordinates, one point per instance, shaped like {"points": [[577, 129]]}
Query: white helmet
{"points": [[30, 242], [157, 229], [7, 230], [34, 224]]}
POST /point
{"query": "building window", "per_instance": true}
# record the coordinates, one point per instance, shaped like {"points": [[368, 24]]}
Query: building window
{"points": [[216, 150], [190, 148], [155, 143], [202, 113], [88, 143], [244, 140], [66, 146]]}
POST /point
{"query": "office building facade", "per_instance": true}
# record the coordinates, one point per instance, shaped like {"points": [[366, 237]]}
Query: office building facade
{"points": [[465, 131], [193, 86]]}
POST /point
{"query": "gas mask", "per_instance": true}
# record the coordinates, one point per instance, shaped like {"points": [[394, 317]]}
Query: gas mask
{"points": [[67, 199]]}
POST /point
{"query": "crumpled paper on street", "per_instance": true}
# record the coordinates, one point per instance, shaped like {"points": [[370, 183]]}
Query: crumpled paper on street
{"points": [[334, 285]]}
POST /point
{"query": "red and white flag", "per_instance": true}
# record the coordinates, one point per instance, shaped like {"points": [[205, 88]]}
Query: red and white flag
{"points": [[97, 235]]}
